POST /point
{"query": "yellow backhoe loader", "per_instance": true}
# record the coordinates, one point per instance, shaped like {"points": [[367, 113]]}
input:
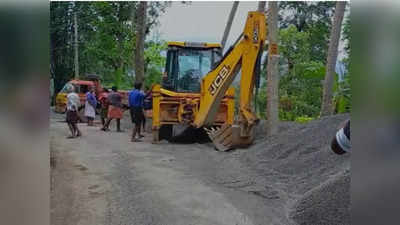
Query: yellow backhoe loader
{"points": [[196, 87]]}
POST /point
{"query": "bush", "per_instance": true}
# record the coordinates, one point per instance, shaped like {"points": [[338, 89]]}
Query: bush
{"points": [[300, 91], [303, 119]]}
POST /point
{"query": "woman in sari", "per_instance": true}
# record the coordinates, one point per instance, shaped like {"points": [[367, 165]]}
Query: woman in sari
{"points": [[90, 106]]}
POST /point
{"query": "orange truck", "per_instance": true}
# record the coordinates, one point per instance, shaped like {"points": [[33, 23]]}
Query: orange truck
{"points": [[81, 88]]}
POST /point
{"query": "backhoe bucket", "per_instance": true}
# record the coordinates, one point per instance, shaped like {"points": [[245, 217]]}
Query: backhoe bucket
{"points": [[228, 137]]}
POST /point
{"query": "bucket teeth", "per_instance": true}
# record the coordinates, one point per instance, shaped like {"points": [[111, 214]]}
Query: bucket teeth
{"points": [[221, 137]]}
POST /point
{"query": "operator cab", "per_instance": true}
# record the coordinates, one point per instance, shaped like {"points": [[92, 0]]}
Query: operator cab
{"points": [[187, 63]]}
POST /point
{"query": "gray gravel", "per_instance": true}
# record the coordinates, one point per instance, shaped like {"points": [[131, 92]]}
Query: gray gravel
{"points": [[327, 204], [281, 171], [298, 167]]}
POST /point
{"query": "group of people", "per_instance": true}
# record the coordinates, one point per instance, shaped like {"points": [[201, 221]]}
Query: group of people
{"points": [[111, 107]]}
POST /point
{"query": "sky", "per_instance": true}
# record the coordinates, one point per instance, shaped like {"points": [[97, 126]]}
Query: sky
{"points": [[202, 21]]}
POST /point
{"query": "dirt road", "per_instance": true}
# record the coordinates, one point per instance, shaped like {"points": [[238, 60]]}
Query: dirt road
{"points": [[102, 178], [288, 179]]}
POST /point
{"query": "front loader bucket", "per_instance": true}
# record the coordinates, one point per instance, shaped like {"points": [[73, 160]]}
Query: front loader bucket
{"points": [[228, 137]]}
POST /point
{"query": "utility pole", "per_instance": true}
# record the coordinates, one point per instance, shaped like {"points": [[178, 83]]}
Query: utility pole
{"points": [[229, 24], [272, 70], [261, 6], [76, 45]]}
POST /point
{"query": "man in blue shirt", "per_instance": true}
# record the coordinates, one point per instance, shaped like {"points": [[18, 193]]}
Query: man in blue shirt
{"points": [[136, 98]]}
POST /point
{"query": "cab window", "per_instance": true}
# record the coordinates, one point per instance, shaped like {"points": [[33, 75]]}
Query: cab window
{"points": [[185, 67]]}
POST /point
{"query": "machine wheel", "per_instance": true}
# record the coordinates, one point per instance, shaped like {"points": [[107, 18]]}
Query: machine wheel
{"points": [[165, 132]]}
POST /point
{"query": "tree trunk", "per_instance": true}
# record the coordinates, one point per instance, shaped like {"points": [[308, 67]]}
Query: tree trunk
{"points": [[76, 61], [327, 108], [229, 24], [272, 70], [140, 37]]}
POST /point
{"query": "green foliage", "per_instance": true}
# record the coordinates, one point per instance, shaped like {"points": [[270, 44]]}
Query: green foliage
{"points": [[304, 34], [113, 39], [152, 54], [319, 36], [153, 76], [312, 17], [154, 62], [300, 88], [294, 45], [303, 119], [106, 39], [342, 96], [300, 93], [118, 77], [61, 45]]}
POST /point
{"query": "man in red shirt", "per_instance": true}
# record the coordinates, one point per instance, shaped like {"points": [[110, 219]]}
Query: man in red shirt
{"points": [[114, 110]]}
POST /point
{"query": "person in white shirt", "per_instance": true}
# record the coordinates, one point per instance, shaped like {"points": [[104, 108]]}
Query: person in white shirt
{"points": [[73, 103]]}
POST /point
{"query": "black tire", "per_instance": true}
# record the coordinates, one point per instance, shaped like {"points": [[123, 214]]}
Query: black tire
{"points": [[165, 132], [191, 135]]}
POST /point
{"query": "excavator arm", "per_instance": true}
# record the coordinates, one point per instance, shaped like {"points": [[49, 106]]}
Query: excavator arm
{"points": [[242, 55]]}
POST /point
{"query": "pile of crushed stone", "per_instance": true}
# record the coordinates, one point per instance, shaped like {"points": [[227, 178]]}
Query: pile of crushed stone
{"points": [[309, 180]]}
